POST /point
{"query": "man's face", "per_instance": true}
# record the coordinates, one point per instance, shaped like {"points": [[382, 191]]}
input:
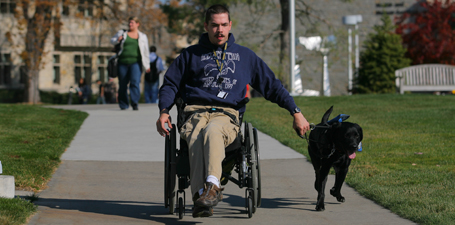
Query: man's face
{"points": [[218, 28]]}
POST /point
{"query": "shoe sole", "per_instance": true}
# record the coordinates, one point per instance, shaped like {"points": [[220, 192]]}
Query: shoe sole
{"points": [[205, 204], [203, 213]]}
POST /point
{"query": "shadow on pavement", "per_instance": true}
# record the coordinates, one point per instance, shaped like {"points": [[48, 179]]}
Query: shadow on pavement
{"points": [[272, 203], [137, 210]]}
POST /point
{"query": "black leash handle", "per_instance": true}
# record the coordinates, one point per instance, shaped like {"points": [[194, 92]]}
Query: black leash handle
{"points": [[312, 126]]}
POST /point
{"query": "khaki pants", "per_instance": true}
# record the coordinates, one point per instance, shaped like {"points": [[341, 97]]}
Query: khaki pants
{"points": [[207, 135]]}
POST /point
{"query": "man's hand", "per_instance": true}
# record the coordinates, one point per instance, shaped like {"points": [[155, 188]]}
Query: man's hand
{"points": [[120, 38], [160, 124], [148, 70], [300, 125]]}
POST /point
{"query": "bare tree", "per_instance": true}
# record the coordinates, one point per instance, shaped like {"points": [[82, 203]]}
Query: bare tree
{"points": [[35, 21]]}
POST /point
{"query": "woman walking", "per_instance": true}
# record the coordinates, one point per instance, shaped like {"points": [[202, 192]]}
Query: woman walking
{"points": [[133, 56]]}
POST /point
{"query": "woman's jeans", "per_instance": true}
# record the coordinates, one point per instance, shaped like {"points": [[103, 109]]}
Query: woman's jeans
{"points": [[129, 74], [151, 91]]}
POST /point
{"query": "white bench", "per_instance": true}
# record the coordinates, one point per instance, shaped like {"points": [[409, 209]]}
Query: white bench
{"points": [[426, 77]]}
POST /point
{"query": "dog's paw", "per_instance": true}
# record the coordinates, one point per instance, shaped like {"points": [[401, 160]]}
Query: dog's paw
{"points": [[320, 208], [339, 197]]}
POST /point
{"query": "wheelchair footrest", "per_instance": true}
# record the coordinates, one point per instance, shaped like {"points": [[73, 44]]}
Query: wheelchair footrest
{"points": [[232, 179]]}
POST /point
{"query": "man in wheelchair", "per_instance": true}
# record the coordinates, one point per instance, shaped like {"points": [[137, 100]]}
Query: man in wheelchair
{"points": [[211, 77]]}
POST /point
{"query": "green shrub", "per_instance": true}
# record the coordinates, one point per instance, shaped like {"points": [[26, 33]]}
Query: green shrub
{"points": [[49, 97], [11, 95], [384, 53]]}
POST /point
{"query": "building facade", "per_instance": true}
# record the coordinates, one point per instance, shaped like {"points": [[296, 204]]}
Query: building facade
{"points": [[80, 50], [81, 47]]}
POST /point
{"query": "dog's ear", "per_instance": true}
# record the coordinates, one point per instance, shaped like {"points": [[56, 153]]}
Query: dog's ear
{"points": [[325, 118], [360, 132]]}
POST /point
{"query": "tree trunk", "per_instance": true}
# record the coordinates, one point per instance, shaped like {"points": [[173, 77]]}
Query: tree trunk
{"points": [[38, 28], [284, 45], [32, 88]]}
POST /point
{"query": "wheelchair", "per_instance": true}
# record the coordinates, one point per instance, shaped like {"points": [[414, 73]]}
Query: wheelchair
{"points": [[242, 157]]}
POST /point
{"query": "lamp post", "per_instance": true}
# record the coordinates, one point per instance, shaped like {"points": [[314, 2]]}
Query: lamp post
{"points": [[325, 72], [292, 45], [323, 46], [352, 20]]}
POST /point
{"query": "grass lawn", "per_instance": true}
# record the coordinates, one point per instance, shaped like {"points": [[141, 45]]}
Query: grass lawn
{"points": [[32, 139], [407, 162]]}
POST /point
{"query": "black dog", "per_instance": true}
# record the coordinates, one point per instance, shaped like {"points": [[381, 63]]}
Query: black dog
{"points": [[332, 145]]}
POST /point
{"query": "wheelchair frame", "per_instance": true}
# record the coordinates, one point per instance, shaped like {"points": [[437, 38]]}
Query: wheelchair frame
{"points": [[245, 161]]}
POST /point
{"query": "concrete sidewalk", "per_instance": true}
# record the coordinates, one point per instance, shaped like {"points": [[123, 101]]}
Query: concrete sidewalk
{"points": [[113, 173]]}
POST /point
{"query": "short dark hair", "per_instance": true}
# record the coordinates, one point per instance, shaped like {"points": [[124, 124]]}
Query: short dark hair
{"points": [[152, 48], [216, 9]]}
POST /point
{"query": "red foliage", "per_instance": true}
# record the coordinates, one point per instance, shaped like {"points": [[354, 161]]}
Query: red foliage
{"points": [[428, 32]]}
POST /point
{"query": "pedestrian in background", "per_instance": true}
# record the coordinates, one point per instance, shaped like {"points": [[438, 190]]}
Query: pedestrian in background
{"points": [[152, 78], [110, 91], [100, 98], [133, 56], [84, 92]]}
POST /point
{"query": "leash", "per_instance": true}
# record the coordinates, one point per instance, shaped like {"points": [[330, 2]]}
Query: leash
{"points": [[312, 127]]}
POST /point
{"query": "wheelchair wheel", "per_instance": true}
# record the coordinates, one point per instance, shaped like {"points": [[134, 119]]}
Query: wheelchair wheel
{"points": [[250, 206], [170, 171], [258, 167], [254, 160], [181, 208]]}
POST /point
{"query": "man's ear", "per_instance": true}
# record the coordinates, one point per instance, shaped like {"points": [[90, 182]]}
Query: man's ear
{"points": [[205, 27]]}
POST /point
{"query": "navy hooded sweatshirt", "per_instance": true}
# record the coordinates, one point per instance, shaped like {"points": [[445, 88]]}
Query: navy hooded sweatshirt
{"points": [[195, 77]]}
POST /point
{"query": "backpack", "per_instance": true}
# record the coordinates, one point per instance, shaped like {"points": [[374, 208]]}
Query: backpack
{"points": [[112, 66], [153, 75]]}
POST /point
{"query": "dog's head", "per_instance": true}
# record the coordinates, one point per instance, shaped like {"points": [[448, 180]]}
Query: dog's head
{"points": [[346, 137]]}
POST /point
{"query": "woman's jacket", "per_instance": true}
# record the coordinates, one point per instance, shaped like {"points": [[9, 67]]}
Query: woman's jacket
{"points": [[143, 46]]}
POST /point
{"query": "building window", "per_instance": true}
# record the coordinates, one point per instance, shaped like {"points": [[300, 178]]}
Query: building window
{"points": [[389, 8], [5, 69], [82, 68], [56, 79], [102, 68], [85, 7], [23, 73], [7, 6], [65, 10], [88, 8]]}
